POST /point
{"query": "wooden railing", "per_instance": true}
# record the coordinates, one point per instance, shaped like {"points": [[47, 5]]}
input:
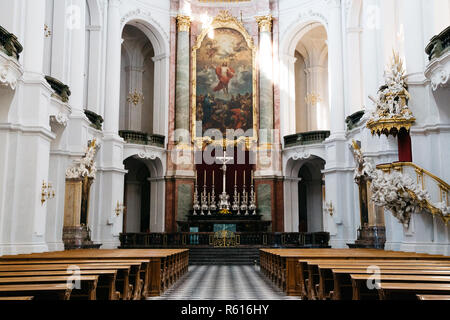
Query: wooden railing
{"points": [[306, 138], [438, 44], [142, 138], [199, 239], [437, 188]]}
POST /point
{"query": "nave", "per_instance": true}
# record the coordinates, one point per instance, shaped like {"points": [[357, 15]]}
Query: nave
{"points": [[224, 282]]}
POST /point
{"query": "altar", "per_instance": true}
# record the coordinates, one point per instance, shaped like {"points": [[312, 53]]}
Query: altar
{"points": [[224, 196], [218, 222]]}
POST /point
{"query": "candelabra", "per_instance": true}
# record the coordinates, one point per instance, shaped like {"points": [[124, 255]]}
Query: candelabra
{"points": [[205, 206], [196, 206], [212, 205], [252, 206], [235, 206], [244, 205], [119, 208], [209, 204], [47, 192]]}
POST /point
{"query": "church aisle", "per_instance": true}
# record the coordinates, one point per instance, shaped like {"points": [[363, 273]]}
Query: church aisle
{"points": [[223, 283]]}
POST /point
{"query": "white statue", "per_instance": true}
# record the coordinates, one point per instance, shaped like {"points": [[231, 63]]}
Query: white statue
{"points": [[85, 166]]}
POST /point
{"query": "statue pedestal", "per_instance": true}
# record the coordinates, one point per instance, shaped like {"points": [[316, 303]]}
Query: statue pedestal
{"points": [[373, 237], [72, 202], [78, 238], [75, 235]]}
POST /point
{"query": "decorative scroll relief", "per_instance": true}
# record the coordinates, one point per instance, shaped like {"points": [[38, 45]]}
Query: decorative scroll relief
{"points": [[301, 156], [439, 72], [60, 119], [392, 110], [395, 191], [10, 71], [147, 155], [84, 167]]}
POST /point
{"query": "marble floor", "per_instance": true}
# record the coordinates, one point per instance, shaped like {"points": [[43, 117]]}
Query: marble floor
{"points": [[223, 283]]}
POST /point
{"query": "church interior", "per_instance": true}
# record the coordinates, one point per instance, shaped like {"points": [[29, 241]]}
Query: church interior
{"points": [[238, 149]]}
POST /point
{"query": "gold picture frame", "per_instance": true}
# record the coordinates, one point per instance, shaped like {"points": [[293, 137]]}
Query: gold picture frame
{"points": [[225, 20]]}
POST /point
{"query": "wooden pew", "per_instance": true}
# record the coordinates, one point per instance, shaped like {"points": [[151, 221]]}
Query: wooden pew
{"points": [[122, 270], [359, 282], [135, 264], [106, 286], [283, 268], [61, 291], [321, 278], [342, 288], [160, 271], [29, 298], [424, 297], [401, 290], [88, 283]]}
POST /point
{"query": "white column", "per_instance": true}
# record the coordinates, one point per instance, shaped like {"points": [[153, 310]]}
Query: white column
{"points": [[113, 54], [355, 91], [287, 86], [61, 45], [95, 67], [160, 109], [336, 69], [415, 43], [76, 26], [110, 178], [33, 53], [372, 57]]}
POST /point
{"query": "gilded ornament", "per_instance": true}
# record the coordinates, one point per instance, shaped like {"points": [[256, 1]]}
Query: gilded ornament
{"points": [[183, 23], [265, 23]]}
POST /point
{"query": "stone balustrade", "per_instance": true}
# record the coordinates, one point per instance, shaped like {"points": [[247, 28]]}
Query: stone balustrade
{"points": [[306, 138]]}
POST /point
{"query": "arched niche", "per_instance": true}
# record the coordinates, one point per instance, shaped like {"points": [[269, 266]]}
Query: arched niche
{"points": [[160, 44], [304, 194], [143, 195]]}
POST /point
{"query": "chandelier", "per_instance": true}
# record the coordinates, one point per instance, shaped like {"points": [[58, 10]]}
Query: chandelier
{"points": [[313, 98], [135, 97]]}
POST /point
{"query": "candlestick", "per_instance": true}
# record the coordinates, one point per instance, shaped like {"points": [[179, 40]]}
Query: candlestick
{"points": [[239, 204], [209, 204]]}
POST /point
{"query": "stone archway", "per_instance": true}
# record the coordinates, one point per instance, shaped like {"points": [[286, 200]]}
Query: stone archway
{"points": [[144, 195], [160, 44], [304, 194]]}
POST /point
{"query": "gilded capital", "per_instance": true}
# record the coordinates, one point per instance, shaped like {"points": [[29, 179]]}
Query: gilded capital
{"points": [[183, 23], [264, 23]]}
